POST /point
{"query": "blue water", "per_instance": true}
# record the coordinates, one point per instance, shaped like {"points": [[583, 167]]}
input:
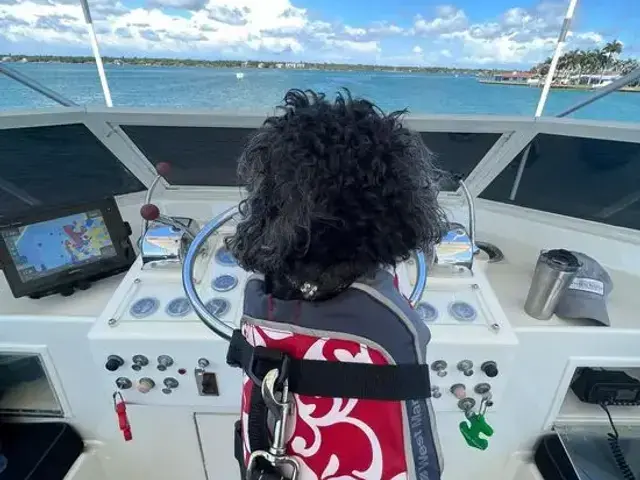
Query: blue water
{"points": [[260, 90]]}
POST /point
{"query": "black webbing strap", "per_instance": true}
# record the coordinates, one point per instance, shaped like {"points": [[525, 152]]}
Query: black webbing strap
{"points": [[331, 379], [264, 472]]}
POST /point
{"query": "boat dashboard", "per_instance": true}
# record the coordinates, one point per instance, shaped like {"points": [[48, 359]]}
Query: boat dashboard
{"points": [[149, 343], [140, 336]]}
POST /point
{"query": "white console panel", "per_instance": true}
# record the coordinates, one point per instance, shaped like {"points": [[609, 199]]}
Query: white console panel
{"points": [[472, 342], [157, 355]]}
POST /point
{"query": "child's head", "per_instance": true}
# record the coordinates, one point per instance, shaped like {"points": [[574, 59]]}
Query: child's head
{"points": [[335, 190]]}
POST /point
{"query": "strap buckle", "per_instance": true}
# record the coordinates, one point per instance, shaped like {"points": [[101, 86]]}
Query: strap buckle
{"points": [[263, 360]]}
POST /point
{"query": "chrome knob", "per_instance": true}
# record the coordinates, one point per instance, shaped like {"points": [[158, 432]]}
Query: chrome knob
{"points": [[203, 363], [164, 362], [145, 385], [440, 367], [114, 362], [139, 361], [466, 367], [458, 390], [435, 392], [123, 383], [171, 382], [466, 404], [482, 388]]}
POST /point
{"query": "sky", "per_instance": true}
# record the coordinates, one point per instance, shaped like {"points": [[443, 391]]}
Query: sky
{"points": [[462, 33]]}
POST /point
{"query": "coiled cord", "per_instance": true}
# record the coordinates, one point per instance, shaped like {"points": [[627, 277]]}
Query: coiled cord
{"points": [[616, 450]]}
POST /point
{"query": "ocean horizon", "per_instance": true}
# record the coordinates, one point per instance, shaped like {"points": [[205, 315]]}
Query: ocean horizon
{"points": [[262, 89]]}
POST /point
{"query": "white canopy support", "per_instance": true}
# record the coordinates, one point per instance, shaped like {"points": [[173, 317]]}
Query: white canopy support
{"points": [[564, 30], [96, 53], [36, 86], [556, 56]]}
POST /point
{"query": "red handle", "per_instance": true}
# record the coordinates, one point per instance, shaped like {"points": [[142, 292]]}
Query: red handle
{"points": [[123, 421]]}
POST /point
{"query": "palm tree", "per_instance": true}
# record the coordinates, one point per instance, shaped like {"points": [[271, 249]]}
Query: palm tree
{"points": [[609, 51], [612, 49]]}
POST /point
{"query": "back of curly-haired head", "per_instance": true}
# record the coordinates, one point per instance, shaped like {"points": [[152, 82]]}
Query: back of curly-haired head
{"points": [[335, 191]]}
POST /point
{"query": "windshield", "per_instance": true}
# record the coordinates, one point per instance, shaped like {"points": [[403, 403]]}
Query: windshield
{"points": [[203, 73]]}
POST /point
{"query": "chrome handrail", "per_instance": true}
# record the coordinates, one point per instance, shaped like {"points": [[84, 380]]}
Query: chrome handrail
{"points": [[421, 278], [472, 221]]}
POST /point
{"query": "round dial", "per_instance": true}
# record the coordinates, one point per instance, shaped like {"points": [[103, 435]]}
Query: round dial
{"points": [[218, 306], [224, 283], [178, 307], [427, 312], [144, 307], [463, 311], [224, 257]]}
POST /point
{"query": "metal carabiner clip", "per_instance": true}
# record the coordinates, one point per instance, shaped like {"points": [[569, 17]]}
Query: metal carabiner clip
{"points": [[281, 410]]}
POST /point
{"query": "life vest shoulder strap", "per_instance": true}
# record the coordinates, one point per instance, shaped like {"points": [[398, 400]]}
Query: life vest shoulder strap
{"points": [[331, 379]]}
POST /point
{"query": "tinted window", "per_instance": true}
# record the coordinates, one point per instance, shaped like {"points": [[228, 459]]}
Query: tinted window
{"points": [[586, 178], [208, 156], [57, 165], [459, 153], [198, 155]]}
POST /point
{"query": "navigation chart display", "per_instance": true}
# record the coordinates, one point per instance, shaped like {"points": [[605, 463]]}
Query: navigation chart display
{"points": [[45, 248]]}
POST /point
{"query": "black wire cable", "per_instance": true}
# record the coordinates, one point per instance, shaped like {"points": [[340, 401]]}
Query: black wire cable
{"points": [[616, 450]]}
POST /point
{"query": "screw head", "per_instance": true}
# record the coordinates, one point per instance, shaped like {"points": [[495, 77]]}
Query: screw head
{"points": [[112, 322]]}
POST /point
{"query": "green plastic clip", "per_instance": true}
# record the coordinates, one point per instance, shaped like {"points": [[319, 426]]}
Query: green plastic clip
{"points": [[473, 428]]}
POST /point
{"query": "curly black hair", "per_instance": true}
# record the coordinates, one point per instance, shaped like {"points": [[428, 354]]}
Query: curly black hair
{"points": [[335, 191]]}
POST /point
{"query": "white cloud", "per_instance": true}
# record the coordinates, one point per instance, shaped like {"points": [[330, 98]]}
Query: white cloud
{"points": [[209, 27], [518, 36], [278, 28], [188, 4], [448, 19]]}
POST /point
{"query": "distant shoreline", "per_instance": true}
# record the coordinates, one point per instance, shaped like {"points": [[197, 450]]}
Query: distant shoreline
{"points": [[584, 88], [176, 62]]}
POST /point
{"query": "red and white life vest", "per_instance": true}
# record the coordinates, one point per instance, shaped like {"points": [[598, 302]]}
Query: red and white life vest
{"points": [[370, 421]]}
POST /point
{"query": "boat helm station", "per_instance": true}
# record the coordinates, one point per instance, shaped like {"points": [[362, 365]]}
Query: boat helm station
{"points": [[116, 368], [155, 342]]}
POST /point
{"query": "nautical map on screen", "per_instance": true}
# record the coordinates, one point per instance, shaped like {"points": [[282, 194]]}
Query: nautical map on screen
{"points": [[60, 244]]}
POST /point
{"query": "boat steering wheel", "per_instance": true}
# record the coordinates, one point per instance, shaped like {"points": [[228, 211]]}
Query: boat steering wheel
{"points": [[211, 320]]}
